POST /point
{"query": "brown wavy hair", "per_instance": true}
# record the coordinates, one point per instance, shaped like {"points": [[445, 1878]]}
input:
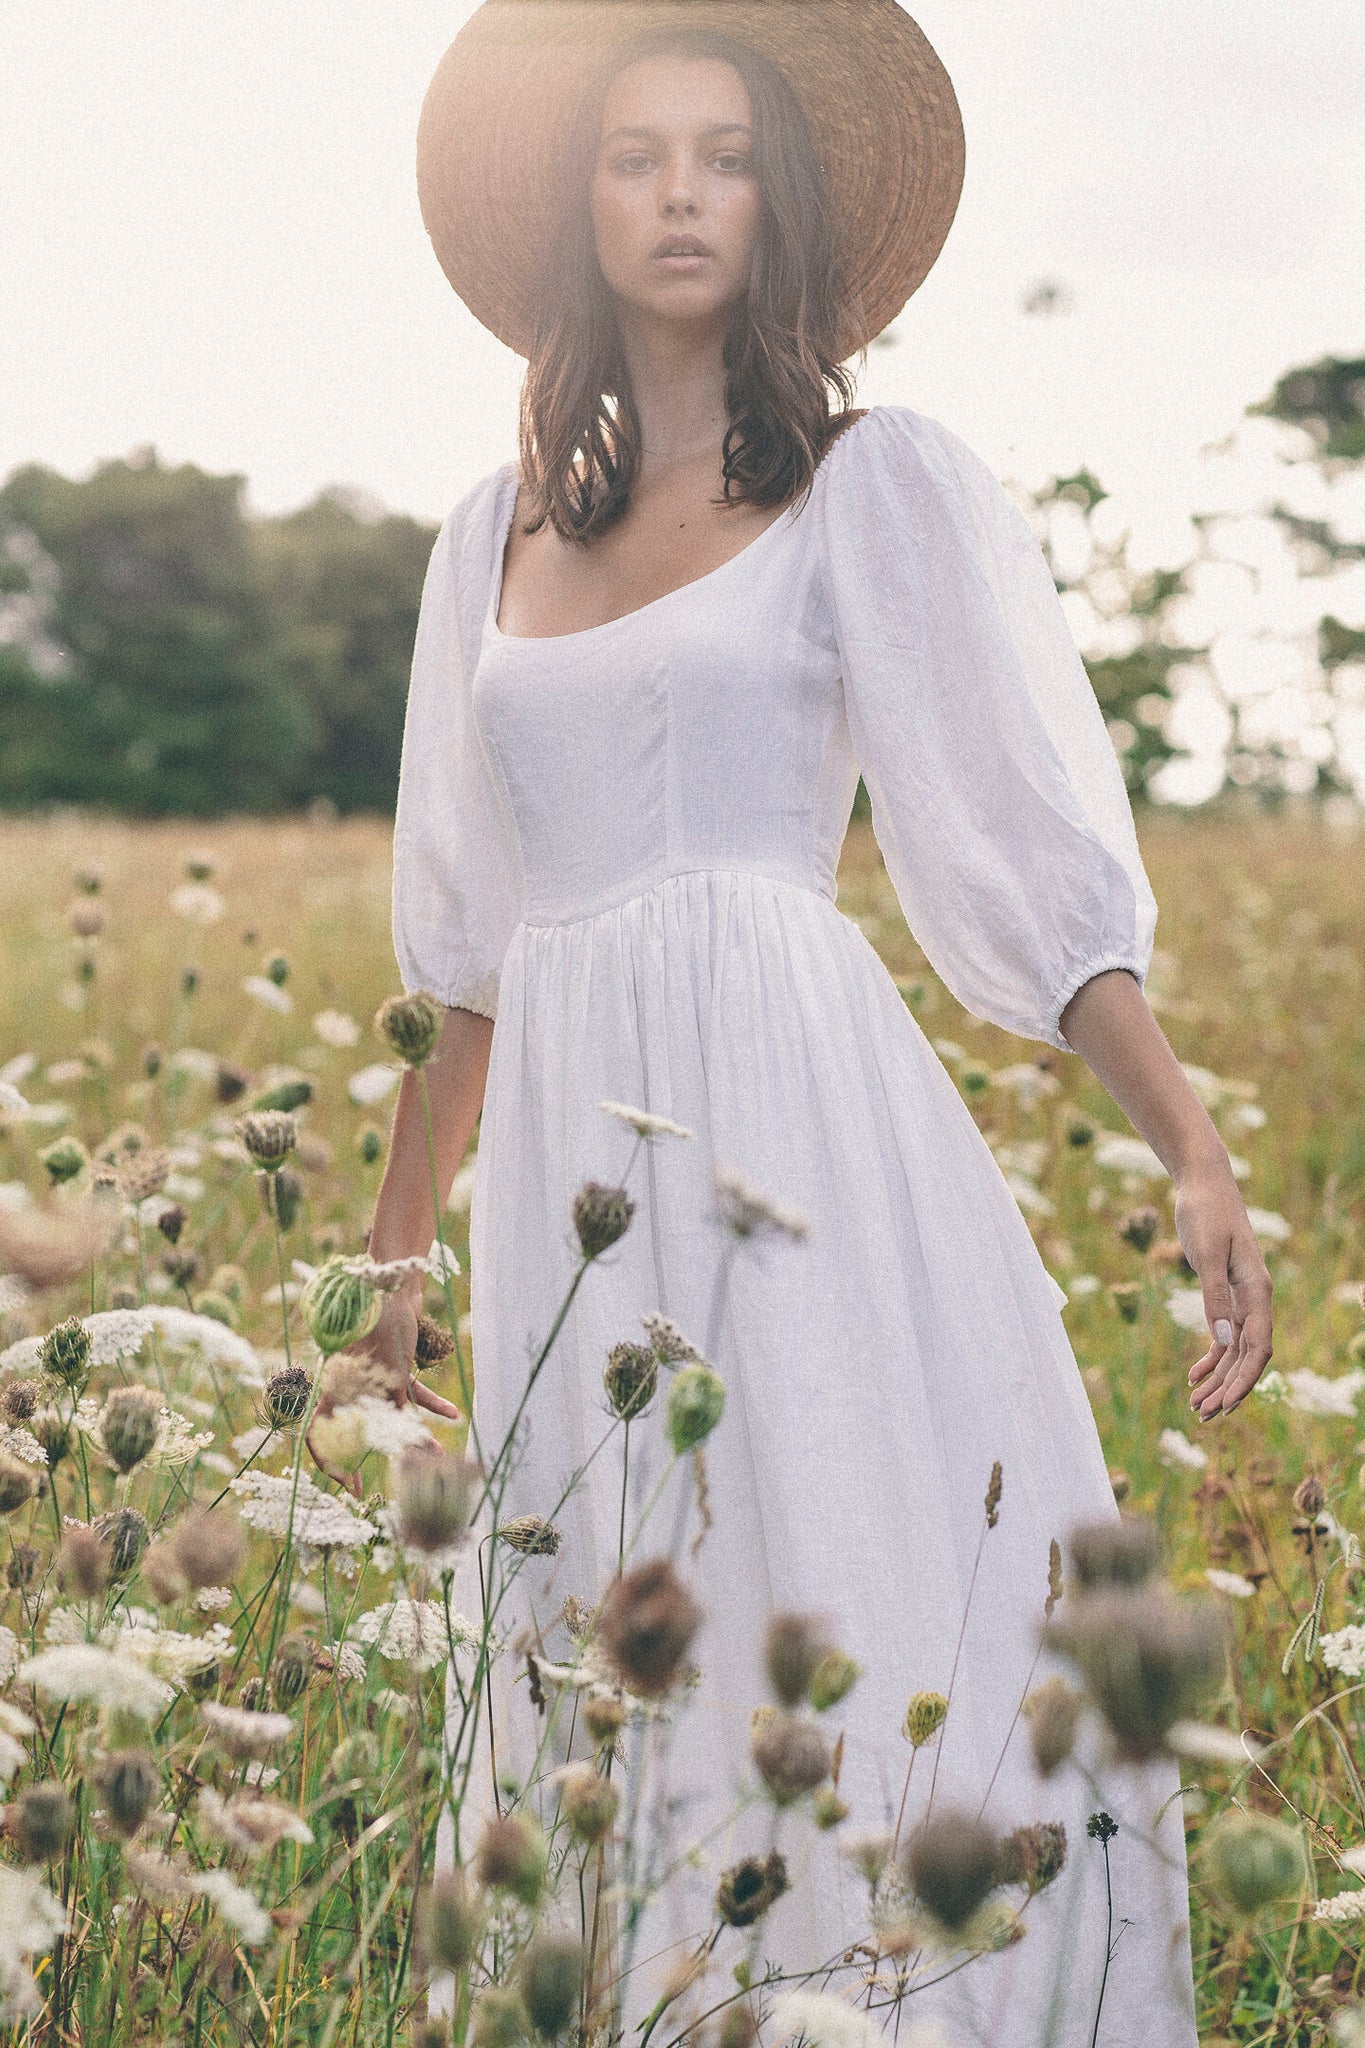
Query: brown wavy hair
{"points": [[580, 431]]}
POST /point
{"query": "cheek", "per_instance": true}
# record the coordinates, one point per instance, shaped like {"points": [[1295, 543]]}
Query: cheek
{"points": [[613, 223]]}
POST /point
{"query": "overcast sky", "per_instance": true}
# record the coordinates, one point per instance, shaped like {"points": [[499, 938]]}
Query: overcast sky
{"points": [[210, 240]]}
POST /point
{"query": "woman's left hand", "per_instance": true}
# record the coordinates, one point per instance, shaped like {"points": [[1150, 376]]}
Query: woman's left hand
{"points": [[1217, 1238]]}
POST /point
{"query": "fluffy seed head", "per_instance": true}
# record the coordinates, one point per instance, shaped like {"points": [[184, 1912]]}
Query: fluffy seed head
{"points": [[40, 1823], [1253, 1860], [696, 1400], [65, 1354], [129, 1422], [648, 1619], [590, 1803], [83, 1562], [499, 2019], [162, 1574], [18, 1483], [128, 1783], [952, 1861], [793, 1648], [410, 1026], [600, 1215], [604, 1716], [748, 1888], [512, 1857], [1146, 1656], [792, 1756], [434, 1494], [631, 1377], [924, 1716], [269, 1135], [1052, 1711], [143, 1173], [210, 1547], [550, 1978], [1122, 1553], [451, 1922]]}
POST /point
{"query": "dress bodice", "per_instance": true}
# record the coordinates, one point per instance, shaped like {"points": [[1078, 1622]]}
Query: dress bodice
{"points": [[705, 730]]}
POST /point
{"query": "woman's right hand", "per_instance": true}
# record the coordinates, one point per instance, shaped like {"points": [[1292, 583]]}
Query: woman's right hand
{"points": [[390, 1351]]}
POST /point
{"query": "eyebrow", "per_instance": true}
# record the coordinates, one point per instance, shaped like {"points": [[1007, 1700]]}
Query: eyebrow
{"points": [[650, 134]]}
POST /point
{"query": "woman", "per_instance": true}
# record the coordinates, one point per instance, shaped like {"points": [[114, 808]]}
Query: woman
{"points": [[650, 666]]}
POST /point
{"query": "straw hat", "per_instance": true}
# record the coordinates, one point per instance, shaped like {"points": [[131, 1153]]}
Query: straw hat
{"points": [[881, 107]]}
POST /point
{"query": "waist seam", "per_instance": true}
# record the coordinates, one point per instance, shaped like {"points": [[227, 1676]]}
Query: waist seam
{"points": [[660, 881]]}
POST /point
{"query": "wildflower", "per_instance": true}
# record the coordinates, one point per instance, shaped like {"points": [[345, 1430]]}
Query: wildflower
{"points": [[413, 1632], [1146, 1657], [88, 1671], [1052, 1711], [65, 1354], [31, 1920], [1122, 1154], [589, 1803], [336, 1029], [433, 1498], [645, 1121], [269, 1135], [128, 1425], [792, 1756], [250, 1823], [1231, 1583], [670, 1346], [287, 1394], [550, 1979], [696, 1401], [601, 1215], [243, 1732], [648, 1619], [512, 1856], [371, 1084], [143, 1173], [1315, 1393], [268, 994], [240, 1908], [1033, 1856], [1175, 1448], [1342, 1908], [64, 1160], [319, 1520], [410, 1025], [341, 1306], [924, 1716], [820, 2020], [531, 1535], [833, 1678], [124, 1534], [171, 1653], [450, 1921], [18, 1483], [631, 1378], [128, 1782], [1120, 1553], [197, 903], [434, 1342], [1343, 1650], [1140, 1226], [40, 1823], [953, 1860], [749, 1887], [747, 1212], [1253, 1860], [793, 1649]]}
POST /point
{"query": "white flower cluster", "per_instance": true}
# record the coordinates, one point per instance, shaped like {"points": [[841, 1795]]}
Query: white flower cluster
{"points": [[22, 1444], [31, 1919], [1344, 1651], [175, 1443], [413, 1632], [1175, 1448], [88, 1671], [320, 1521], [1313, 1393], [1343, 1907], [645, 1122], [822, 2021]]}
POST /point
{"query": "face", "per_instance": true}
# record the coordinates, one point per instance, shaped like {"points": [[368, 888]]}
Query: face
{"points": [[676, 207]]}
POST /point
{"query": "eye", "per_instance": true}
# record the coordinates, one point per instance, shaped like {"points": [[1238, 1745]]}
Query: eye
{"points": [[633, 163], [733, 161]]}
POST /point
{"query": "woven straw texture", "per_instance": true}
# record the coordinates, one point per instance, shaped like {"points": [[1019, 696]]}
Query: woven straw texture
{"points": [[490, 174]]}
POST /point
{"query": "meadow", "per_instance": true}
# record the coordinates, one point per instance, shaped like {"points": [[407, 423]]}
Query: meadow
{"points": [[157, 981]]}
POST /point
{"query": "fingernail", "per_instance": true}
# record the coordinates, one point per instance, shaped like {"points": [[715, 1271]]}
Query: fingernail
{"points": [[1222, 1330]]}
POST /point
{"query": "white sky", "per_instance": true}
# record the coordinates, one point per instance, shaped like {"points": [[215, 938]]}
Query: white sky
{"points": [[209, 239]]}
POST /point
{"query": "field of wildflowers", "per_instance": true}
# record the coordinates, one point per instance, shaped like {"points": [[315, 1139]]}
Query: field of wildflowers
{"points": [[222, 1677]]}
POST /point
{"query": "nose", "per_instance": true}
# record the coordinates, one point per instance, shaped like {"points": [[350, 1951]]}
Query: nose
{"points": [[677, 197]]}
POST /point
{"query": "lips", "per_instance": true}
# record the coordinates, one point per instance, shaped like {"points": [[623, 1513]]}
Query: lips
{"points": [[681, 245]]}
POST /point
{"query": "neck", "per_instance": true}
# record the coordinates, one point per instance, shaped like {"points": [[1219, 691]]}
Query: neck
{"points": [[677, 377]]}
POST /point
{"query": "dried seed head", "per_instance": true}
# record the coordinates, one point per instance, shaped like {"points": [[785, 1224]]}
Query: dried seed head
{"points": [[282, 1196], [1310, 1497], [601, 1215], [1121, 1486], [129, 1423], [1127, 1299], [434, 1495], [23, 1565], [83, 1562], [648, 1619], [604, 1716], [181, 1268], [924, 1716], [832, 1680], [18, 1483], [1140, 1226], [434, 1342], [451, 1922], [1052, 1711], [20, 1400], [1253, 1860], [287, 1394], [210, 1547], [550, 1979], [162, 1574], [64, 1160], [65, 1354], [512, 1856], [410, 1026], [53, 1432], [231, 1082], [631, 1378], [340, 1306], [952, 1862], [828, 1809], [40, 1823], [1146, 1657], [1033, 1856], [85, 917], [290, 1669], [793, 1648], [269, 1135], [128, 1782], [531, 1535], [124, 1533], [993, 1493], [696, 1401], [143, 1174], [590, 1803], [748, 1888], [499, 2019], [792, 1756], [1120, 1553]]}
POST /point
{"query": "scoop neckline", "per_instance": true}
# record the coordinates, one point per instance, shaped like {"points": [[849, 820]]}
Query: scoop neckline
{"points": [[495, 631]]}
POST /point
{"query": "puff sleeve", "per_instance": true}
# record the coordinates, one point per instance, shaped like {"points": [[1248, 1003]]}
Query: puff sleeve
{"points": [[997, 799], [457, 878]]}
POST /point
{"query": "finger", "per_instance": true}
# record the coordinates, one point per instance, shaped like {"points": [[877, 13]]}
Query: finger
{"points": [[1251, 1293], [435, 1404], [1256, 1354], [350, 1480]]}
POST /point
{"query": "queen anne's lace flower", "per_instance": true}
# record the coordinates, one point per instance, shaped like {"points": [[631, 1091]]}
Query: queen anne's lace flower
{"points": [[250, 1823], [1313, 1393], [22, 1444], [89, 1671], [646, 1122], [372, 1084], [1344, 1906], [243, 1732], [268, 994], [335, 1028], [413, 1632], [175, 1443], [1231, 1583], [1175, 1448], [239, 1907], [31, 1919], [1344, 1651], [823, 2021], [320, 1521], [169, 1652]]}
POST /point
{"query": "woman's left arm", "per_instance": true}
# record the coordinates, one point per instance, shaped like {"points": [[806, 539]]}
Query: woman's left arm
{"points": [[1109, 1024]]}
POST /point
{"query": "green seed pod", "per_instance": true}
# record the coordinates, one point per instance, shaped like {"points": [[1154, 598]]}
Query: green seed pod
{"points": [[128, 1783], [924, 1716], [53, 1432], [65, 1354], [290, 1670], [631, 1379], [340, 1306], [64, 1160], [1127, 1299], [452, 1922], [600, 1215], [499, 2019], [269, 1135], [277, 969], [532, 1535], [286, 1097], [369, 1144], [1253, 1860], [512, 1856], [282, 1195], [833, 1679], [124, 1532], [356, 1757], [129, 1423], [550, 1976], [828, 1809], [410, 1025], [696, 1400], [287, 1394]]}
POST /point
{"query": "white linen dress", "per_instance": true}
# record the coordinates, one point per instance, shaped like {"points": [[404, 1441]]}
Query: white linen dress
{"points": [[621, 845]]}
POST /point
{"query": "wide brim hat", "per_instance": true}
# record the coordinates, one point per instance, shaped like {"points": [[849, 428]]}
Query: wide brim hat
{"points": [[490, 141]]}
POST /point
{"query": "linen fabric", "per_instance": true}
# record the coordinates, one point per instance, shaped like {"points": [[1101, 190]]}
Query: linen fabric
{"points": [[621, 845]]}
